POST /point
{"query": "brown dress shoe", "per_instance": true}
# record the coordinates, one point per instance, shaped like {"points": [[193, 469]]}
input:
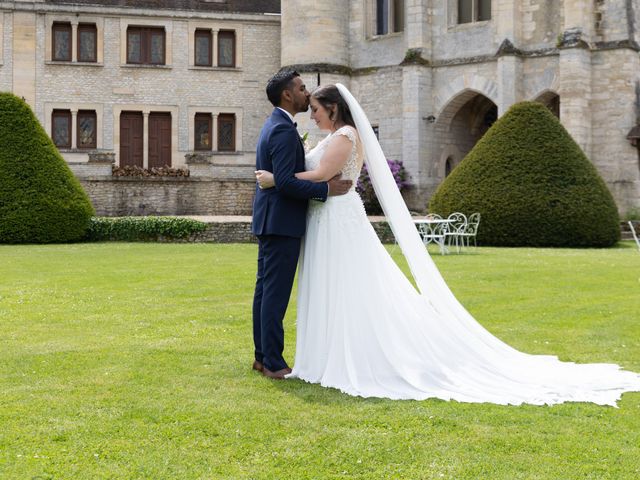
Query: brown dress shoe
{"points": [[257, 366], [277, 375]]}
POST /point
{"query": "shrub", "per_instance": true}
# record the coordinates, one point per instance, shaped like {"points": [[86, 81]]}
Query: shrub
{"points": [[41, 201], [364, 187], [142, 228], [533, 186]]}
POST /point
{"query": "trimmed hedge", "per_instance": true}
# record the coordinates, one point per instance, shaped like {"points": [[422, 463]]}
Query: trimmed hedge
{"points": [[41, 201], [532, 185], [142, 228]]}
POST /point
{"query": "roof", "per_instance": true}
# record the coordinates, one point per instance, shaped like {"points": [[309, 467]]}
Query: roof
{"points": [[240, 6]]}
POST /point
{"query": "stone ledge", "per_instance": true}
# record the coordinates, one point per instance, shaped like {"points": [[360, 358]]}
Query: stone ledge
{"points": [[237, 229]]}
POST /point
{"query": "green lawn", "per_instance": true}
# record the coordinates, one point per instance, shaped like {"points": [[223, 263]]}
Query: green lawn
{"points": [[123, 360]]}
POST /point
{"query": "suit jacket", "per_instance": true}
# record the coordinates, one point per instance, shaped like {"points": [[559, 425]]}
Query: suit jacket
{"points": [[283, 210]]}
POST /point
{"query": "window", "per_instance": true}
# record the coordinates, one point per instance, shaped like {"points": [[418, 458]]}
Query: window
{"points": [[226, 48], [61, 128], [203, 41], [226, 132], [474, 10], [61, 34], [86, 130], [146, 46], [203, 130], [87, 43], [389, 15]]}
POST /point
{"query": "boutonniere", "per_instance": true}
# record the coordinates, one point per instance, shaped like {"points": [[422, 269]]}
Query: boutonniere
{"points": [[304, 139]]}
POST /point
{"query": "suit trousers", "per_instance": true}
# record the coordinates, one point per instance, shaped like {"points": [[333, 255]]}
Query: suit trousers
{"points": [[277, 261]]}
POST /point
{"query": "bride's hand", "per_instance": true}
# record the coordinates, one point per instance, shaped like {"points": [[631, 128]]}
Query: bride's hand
{"points": [[264, 179]]}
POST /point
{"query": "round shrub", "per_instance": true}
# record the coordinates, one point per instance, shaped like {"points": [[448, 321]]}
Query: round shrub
{"points": [[532, 185], [40, 199]]}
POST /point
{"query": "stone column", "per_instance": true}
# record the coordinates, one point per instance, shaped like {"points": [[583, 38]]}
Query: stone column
{"points": [[575, 95], [145, 139], [74, 128], [315, 32], [509, 84], [214, 132], [579, 16], [214, 47], [416, 132], [508, 21], [575, 71], [24, 56], [74, 41], [417, 27]]}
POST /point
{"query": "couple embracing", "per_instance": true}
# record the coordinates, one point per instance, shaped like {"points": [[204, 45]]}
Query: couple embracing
{"points": [[362, 327]]}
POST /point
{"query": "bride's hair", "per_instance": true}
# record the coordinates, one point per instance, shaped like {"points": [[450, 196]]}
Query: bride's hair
{"points": [[328, 96]]}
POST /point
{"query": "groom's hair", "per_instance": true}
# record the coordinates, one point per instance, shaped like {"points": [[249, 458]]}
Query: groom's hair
{"points": [[278, 83]]}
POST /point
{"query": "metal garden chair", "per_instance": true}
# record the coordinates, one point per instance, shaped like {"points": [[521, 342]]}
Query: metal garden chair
{"points": [[473, 222]]}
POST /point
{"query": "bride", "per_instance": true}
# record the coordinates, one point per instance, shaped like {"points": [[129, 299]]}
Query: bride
{"points": [[364, 329]]}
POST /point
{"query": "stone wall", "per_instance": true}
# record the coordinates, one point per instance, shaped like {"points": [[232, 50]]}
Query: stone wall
{"points": [[121, 196], [6, 59], [542, 21], [238, 230], [615, 73], [626, 230], [380, 95], [110, 86]]}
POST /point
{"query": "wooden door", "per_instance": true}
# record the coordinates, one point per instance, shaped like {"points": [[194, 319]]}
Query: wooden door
{"points": [[159, 139], [131, 139]]}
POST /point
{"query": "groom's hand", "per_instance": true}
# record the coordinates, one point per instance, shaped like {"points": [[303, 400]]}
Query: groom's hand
{"points": [[338, 186]]}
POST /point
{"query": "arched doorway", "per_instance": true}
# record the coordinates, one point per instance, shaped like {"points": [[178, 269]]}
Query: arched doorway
{"points": [[460, 124], [551, 100], [448, 166]]}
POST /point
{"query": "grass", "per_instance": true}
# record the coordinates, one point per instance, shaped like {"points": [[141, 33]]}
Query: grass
{"points": [[123, 360]]}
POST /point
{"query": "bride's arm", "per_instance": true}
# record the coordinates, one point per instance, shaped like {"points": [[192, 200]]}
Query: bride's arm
{"points": [[332, 162]]}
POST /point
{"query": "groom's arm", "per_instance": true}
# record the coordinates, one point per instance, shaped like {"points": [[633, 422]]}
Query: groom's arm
{"points": [[282, 145]]}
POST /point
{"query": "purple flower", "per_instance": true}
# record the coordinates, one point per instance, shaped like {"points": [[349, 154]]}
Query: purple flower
{"points": [[365, 188]]}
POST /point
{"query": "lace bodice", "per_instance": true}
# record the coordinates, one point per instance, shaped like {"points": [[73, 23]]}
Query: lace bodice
{"points": [[351, 169]]}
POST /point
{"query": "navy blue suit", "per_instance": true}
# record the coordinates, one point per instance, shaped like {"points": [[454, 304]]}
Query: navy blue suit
{"points": [[279, 222]]}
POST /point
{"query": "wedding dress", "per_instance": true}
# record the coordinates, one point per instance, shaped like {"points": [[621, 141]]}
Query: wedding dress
{"points": [[364, 329]]}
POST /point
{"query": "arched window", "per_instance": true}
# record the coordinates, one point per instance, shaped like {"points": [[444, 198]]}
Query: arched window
{"points": [[551, 100]]}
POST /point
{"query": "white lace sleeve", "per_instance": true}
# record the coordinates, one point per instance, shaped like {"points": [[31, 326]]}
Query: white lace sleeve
{"points": [[352, 166], [348, 132]]}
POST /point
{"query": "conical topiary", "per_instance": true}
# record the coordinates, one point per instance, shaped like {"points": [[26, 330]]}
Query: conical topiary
{"points": [[532, 185], [40, 199]]}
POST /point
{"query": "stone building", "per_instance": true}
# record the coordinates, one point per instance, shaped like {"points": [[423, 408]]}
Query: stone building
{"points": [[433, 75], [184, 80], [150, 84]]}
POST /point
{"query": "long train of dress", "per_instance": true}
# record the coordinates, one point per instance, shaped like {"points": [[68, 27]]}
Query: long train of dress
{"points": [[364, 329]]}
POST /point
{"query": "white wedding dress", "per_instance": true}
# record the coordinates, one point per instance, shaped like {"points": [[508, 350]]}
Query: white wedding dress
{"points": [[364, 329]]}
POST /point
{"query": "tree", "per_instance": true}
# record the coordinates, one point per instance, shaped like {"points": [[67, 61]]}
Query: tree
{"points": [[41, 201], [532, 185]]}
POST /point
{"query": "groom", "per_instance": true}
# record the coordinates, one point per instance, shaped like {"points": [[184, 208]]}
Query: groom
{"points": [[279, 217]]}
